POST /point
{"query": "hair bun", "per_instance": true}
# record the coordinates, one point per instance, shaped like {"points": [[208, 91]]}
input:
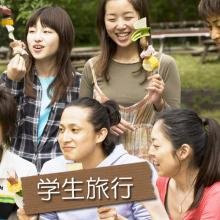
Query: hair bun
{"points": [[113, 112]]}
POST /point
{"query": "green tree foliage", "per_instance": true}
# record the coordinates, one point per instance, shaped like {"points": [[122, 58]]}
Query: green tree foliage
{"points": [[21, 9], [173, 10], [83, 15]]}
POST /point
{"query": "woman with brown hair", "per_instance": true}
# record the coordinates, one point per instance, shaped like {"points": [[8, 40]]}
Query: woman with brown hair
{"points": [[119, 73], [43, 81]]}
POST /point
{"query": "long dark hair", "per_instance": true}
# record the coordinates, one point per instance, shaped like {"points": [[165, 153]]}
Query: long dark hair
{"points": [[184, 126], [8, 111], [209, 8], [57, 19], [108, 46], [102, 115]]}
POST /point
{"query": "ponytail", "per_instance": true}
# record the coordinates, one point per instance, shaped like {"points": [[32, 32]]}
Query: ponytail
{"points": [[209, 171], [184, 126]]}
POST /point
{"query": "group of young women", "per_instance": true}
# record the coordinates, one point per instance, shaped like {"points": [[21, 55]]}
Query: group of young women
{"points": [[52, 123]]}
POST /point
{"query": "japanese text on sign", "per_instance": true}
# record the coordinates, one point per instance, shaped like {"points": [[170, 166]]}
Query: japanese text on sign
{"points": [[96, 188]]}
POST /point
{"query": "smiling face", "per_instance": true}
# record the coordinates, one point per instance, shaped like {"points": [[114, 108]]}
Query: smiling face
{"points": [[120, 16], [43, 42], [162, 153], [77, 138], [214, 26]]}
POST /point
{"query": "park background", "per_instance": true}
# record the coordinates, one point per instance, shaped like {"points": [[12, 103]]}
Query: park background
{"points": [[200, 81]]}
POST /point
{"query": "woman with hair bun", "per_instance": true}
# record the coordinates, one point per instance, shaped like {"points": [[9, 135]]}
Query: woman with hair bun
{"points": [[84, 137]]}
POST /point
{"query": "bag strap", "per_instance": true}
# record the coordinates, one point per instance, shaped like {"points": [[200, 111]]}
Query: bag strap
{"points": [[93, 72]]}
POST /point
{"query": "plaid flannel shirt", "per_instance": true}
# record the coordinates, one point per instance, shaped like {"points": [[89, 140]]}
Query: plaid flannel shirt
{"points": [[26, 139]]}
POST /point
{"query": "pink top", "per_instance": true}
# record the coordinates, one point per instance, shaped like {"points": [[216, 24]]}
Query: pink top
{"points": [[208, 208]]}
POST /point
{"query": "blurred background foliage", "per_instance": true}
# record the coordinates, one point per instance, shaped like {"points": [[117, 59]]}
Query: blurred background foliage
{"points": [[83, 14], [194, 76]]}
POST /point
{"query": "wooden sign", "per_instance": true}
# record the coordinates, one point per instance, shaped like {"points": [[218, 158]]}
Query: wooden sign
{"points": [[87, 188]]}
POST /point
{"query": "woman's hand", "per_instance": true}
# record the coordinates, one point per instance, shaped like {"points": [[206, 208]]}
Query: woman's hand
{"points": [[22, 216], [109, 213], [122, 127], [16, 68], [155, 91]]}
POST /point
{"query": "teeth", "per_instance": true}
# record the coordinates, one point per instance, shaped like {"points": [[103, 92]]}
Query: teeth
{"points": [[122, 34], [38, 47]]}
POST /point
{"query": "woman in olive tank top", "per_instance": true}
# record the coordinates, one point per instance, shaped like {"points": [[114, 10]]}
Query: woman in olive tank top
{"points": [[142, 86]]}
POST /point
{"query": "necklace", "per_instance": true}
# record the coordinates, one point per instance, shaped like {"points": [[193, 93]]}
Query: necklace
{"points": [[180, 208]]}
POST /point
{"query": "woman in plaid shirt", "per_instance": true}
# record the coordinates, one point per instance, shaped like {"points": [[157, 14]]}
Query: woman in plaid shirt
{"points": [[43, 81]]}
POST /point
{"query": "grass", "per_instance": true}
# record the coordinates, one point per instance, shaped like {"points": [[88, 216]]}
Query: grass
{"points": [[211, 114], [196, 75], [2, 68]]}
